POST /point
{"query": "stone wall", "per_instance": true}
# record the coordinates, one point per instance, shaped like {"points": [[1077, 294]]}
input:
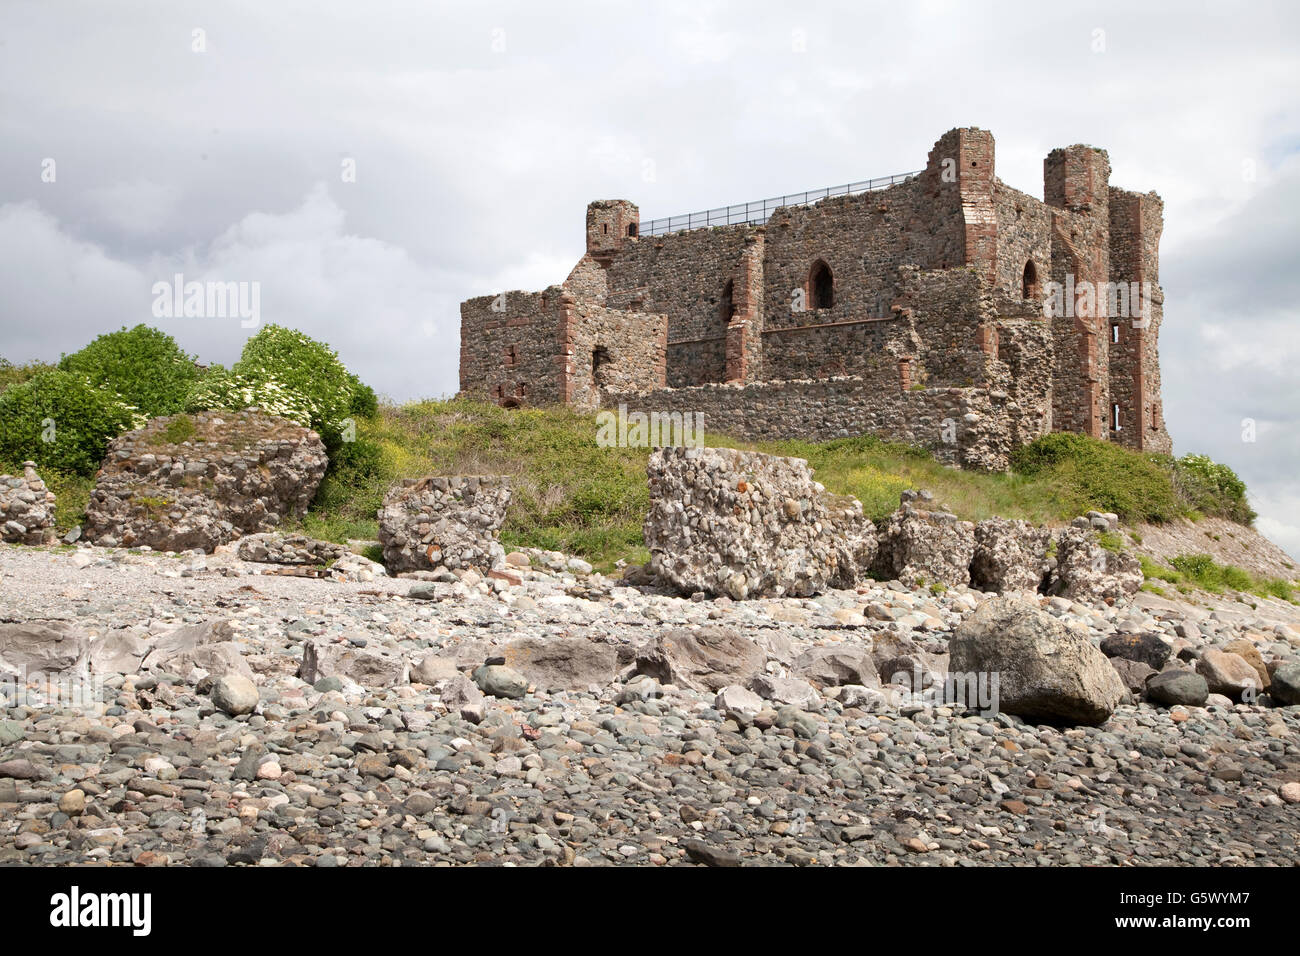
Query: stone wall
{"points": [[607, 349], [179, 489], [26, 507], [509, 347], [968, 427], [552, 347]]}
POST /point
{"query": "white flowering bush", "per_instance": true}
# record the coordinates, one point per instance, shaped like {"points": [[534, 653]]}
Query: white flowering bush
{"points": [[220, 389], [286, 373]]}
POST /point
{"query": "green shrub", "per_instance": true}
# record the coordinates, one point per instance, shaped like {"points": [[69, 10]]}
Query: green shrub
{"points": [[1204, 572], [11, 374], [364, 402], [179, 429], [143, 365], [289, 374], [59, 420], [1151, 569], [1111, 541], [1097, 475], [1211, 488]]}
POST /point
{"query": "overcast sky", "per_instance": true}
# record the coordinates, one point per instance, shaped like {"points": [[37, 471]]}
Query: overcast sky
{"points": [[479, 131]]}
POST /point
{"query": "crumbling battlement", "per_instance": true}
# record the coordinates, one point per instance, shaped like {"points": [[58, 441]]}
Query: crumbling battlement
{"points": [[856, 313]]}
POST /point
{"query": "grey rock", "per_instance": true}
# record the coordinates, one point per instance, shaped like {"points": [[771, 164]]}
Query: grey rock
{"points": [[1045, 671], [567, 663], [1178, 686], [497, 680], [235, 694]]}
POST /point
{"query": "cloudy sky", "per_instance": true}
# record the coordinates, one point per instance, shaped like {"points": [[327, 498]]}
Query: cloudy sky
{"points": [[143, 138]]}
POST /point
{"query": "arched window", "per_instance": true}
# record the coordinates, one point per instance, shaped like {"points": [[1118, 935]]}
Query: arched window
{"points": [[1029, 282], [631, 230], [821, 286], [727, 307]]}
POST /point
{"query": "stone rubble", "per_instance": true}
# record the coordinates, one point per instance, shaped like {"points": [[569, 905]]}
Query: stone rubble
{"points": [[237, 473], [747, 525], [276, 548], [444, 523], [390, 729], [26, 507]]}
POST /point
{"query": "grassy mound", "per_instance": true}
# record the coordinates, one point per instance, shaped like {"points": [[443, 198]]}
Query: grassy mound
{"points": [[574, 496]]}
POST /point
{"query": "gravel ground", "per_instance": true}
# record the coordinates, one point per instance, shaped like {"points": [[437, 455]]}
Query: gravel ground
{"points": [[349, 772]]}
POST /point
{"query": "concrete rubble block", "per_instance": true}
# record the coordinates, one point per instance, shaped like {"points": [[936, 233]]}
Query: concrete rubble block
{"points": [[920, 547], [238, 473], [1010, 555], [748, 525], [1090, 574], [444, 523], [26, 508]]}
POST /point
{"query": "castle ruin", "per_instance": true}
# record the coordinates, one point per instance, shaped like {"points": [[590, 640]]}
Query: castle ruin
{"points": [[941, 308]]}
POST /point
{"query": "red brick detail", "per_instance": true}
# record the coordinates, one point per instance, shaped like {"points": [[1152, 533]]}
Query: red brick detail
{"points": [[737, 342]]}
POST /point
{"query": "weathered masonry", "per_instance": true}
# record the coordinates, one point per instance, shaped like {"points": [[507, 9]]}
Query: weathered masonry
{"points": [[941, 308]]}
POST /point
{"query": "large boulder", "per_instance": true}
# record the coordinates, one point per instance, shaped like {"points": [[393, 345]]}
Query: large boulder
{"points": [[46, 647], [203, 480], [1150, 649], [1247, 651], [1228, 674], [364, 667], [920, 547], [444, 522], [707, 659], [748, 525], [1088, 573], [1284, 683], [1178, 686], [1045, 670], [569, 663], [1010, 555], [26, 507]]}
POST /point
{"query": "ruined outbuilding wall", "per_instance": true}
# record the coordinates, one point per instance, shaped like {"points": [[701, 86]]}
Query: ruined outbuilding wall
{"points": [[509, 347], [967, 427], [553, 348]]}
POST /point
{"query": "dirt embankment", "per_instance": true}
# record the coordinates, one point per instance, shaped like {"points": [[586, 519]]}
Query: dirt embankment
{"points": [[1225, 541]]}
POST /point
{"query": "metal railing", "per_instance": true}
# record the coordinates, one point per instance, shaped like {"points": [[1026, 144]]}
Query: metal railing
{"points": [[758, 212]]}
